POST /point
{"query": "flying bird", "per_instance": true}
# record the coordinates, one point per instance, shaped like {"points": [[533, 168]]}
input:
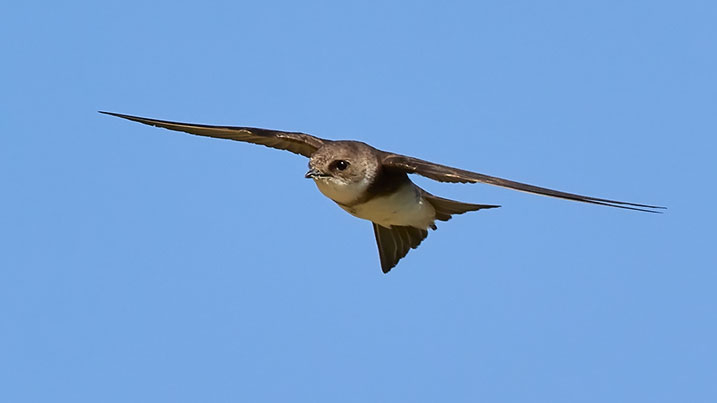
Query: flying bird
{"points": [[374, 185]]}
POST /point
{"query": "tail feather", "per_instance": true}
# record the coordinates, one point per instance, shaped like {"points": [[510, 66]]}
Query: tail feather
{"points": [[395, 242], [446, 208]]}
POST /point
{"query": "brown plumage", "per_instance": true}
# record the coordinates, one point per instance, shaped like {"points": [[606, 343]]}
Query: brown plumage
{"points": [[374, 184]]}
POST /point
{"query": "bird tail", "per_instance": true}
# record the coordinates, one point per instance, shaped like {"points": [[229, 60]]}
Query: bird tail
{"points": [[446, 208]]}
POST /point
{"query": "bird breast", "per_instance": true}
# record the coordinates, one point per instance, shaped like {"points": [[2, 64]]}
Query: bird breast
{"points": [[403, 207]]}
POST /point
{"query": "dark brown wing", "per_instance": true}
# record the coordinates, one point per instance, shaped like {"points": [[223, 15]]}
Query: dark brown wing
{"points": [[298, 143], [394, 243], [444, 173]]}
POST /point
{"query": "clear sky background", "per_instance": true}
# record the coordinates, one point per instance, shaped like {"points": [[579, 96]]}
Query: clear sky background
{"points": [[142, 265]]}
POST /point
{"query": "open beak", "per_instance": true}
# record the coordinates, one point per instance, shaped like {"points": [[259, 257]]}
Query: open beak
{"points": [[314, 173]]}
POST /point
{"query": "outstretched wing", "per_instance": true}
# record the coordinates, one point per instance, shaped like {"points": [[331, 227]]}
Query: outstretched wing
{"points": [[299, 143], [444, 173]]}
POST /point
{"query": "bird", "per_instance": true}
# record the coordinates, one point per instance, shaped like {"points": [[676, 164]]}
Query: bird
{"points": [[374, 185]]}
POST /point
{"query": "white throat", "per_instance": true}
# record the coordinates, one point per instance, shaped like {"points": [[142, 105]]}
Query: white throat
{"points": [[341, 192]]}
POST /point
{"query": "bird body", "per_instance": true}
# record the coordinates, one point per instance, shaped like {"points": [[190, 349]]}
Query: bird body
{"points": [[374, 185], [404, 207], [365, 190]]}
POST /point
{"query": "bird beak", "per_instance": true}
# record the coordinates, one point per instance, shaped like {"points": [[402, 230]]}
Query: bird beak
{"points": [[314, 173]]}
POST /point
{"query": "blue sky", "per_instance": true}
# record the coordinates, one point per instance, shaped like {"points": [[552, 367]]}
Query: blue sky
{"points": [[144, 265]]}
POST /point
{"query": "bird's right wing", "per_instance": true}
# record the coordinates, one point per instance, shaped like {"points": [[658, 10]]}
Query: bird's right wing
{"points": [[299, 143]]}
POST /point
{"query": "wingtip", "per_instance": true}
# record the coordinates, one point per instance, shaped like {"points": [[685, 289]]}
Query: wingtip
{"points": [[128, 117], [119, 115], [653, 210], [642, 207]]}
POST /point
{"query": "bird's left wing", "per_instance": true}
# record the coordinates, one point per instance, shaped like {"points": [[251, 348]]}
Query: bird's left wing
{"points": [[444, 173], [299, 143]]}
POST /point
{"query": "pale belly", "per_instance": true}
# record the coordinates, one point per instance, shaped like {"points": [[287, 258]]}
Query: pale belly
{"points": [[392, 210], [405, 207]]}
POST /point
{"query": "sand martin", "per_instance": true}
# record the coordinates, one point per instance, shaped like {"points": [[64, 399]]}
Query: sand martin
{"points": [[374, 185]]}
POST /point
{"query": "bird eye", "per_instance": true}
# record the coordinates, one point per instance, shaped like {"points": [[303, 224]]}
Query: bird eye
{"points": [[340, 165]]}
